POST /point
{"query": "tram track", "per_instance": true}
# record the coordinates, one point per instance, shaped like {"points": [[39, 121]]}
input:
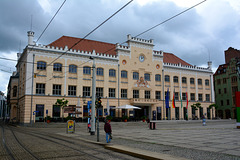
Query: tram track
{"points": [[13, 147], [54, 146]]}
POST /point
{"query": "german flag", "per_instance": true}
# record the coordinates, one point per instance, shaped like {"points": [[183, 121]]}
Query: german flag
{"points": [[173, 100]]}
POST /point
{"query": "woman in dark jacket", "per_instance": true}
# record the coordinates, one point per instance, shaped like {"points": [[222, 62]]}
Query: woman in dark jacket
{"points": [[108, 130]]}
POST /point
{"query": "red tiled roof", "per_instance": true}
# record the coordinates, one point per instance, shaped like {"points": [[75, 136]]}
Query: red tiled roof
{"points": [[85, 45], [171, 58]]}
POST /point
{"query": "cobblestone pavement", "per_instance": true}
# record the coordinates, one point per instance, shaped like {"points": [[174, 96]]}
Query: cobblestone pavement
{"points": [[28, 143], [219, 140]]}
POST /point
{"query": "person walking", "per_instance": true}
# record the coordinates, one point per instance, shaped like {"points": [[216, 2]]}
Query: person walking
{"points": [[108, 130]]}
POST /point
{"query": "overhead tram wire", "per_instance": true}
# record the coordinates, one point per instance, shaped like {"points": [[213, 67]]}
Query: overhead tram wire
{"points": [[40, 37], [93, 30], [159, 24], [84, 37], [170, 18], [8, 59]]}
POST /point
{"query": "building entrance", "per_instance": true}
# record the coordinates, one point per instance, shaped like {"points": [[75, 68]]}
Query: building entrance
{"points": [[144, 111]]}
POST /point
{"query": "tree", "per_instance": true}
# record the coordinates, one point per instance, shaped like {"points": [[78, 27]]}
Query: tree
{"points": [[196, 106], [62, 103], [214, 106]]}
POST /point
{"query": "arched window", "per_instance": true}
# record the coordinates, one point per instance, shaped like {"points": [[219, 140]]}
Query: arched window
{"points": [[112, 73], [135, 75], [123, 74], [206, 82], [57, 67], [147, 77], [192, 81], [86, 70], [184, 80], [41, 65], [199, 81], [167, 78], [99, 71], [72, 69], [175, 79], [158, 77]]}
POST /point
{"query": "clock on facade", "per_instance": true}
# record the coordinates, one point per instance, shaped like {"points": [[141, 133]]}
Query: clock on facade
{"points": [[141, 58]]}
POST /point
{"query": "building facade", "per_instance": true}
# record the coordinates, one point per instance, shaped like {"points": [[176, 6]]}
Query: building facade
{"points": [[125, 74], [226, 84]]}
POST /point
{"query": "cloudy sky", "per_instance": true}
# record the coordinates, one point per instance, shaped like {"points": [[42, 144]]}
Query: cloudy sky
{"points": [[195, 36]]}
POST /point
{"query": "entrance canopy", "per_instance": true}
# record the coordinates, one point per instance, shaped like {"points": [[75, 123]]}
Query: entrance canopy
{"points": [[127, 106]]}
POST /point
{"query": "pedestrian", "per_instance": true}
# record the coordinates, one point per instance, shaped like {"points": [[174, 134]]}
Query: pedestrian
{"points": [[204, 120], [108, 130]]}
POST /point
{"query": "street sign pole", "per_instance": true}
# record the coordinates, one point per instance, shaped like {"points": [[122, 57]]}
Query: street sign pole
{"points": [[93, 98]]}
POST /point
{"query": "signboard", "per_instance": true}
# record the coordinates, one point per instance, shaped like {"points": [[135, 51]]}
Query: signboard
{"points": [[70, 126]]}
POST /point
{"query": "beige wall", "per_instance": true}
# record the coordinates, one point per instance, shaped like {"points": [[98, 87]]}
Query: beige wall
{"points": [[132, 64]]}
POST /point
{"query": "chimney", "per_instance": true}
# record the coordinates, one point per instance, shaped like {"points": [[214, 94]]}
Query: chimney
{"points": [[210, 65], [30, 38]]}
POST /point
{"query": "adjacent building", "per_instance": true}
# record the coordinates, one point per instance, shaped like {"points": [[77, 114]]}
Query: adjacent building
{"points": [[227, 83], [125, 74]]}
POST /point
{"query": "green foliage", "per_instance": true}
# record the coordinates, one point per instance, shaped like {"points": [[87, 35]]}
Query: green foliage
{"points": [[196, 106], [48, 118], [124, 117], [109, 117], [143, 117], [213, 105], [61, 103]]}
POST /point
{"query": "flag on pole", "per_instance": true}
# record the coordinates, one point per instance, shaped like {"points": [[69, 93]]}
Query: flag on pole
{"points": [[167, 99], [108, 107], [173, 100], [181, 99], [187, 100]]}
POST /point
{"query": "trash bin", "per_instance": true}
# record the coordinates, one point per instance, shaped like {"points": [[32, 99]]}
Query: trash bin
{"points": [[152, 125]]}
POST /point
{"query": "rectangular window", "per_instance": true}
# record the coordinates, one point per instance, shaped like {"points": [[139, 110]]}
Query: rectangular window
{"points": [[184, 97], [135, 75], [123, 93], [57, 89], [192, 96], [176, 96], [56, 111], [147, 77], [224, 80], [158, 95], [221, 102], [228, 102], [147, 94], [123, 74], [200, 98], [111, 92], [208, 97], [86, 92], [225, 90], [87, 70], [72, 90], [219, 91], [40, 111], [40, 88], [99, 92], [57, 67], [135, 93], [219, 81]]}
